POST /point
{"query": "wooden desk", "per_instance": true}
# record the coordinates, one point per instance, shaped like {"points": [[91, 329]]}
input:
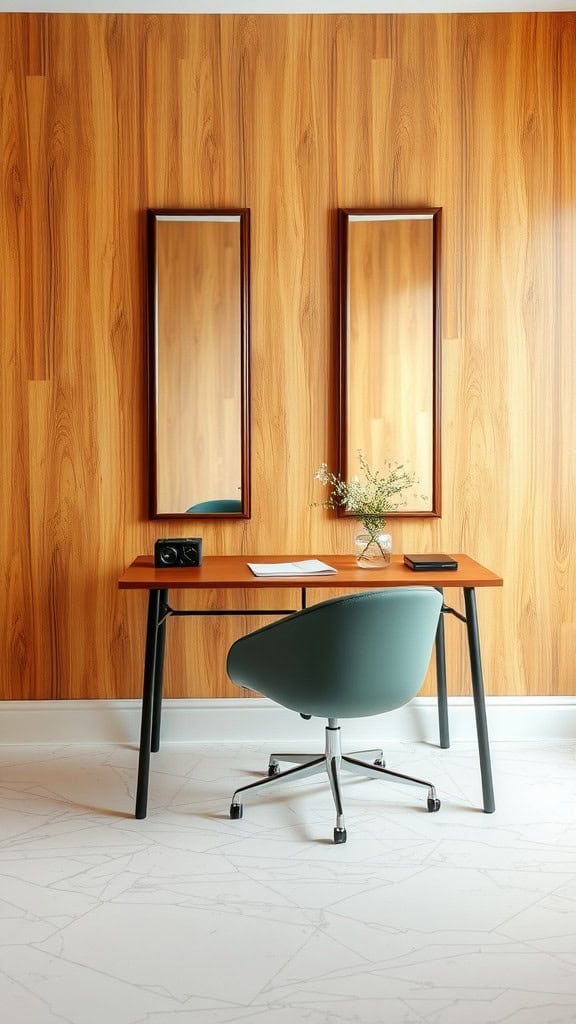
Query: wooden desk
{"points": [[231, 572]]}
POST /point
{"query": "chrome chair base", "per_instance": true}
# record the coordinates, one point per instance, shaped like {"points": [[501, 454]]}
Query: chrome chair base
{"points": [[333, 761]]}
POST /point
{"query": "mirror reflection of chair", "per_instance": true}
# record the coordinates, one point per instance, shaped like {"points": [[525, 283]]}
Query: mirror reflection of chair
{"points": [[216, 505], [350, 657]]}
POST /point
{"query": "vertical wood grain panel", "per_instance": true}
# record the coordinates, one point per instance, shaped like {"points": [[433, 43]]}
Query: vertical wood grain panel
{"points": [[103, 116]]}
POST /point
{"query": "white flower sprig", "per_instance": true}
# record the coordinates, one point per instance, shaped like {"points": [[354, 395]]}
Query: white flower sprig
{"points": [[371, 500]]}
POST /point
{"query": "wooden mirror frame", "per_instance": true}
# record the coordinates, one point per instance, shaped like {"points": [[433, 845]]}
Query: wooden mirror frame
{"points": [[154, 216], [344, 470]]}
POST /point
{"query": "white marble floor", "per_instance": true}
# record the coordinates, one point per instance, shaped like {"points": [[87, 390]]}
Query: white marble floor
{"points": [[450, 918]]}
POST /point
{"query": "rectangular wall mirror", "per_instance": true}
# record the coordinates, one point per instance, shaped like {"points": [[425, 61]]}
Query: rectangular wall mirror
{"points": [[199, 371], [389, 267]]}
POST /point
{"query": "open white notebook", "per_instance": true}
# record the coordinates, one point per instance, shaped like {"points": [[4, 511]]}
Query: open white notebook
{"points": [[308, 567]]}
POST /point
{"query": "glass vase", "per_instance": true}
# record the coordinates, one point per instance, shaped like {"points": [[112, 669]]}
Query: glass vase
{"points": [[372, 548]]}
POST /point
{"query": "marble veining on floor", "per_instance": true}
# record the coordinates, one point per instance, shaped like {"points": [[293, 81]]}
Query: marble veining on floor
{"points": [[450, 918]]}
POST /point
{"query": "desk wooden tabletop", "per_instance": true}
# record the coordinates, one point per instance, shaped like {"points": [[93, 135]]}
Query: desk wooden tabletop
{"points": [[231, 571]]}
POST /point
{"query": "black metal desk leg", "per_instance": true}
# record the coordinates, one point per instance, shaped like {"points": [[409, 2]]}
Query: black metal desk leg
{"points": [[147, 704], [479, 701], [441, 689], [159, 673]]}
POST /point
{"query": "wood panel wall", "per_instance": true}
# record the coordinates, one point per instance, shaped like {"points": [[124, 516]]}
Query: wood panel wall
{"points": [[291, 116]]}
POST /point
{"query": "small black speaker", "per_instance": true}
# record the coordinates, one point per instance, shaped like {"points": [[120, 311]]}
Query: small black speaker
{"points": [[181, 551]]}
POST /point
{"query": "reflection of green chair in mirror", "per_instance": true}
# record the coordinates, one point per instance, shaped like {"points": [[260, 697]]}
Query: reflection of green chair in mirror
{"points": [[350, 657], [216, 505]]}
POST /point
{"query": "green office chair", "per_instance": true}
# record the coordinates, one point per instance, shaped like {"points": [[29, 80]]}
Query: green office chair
{"points": [[350, 657], [216, 505]]}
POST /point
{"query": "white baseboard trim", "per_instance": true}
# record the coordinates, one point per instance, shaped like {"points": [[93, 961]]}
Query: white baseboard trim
{"points": [[259, 720]]}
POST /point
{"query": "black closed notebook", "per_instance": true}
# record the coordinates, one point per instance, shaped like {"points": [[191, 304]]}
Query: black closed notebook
{"points": [[427, 563]]}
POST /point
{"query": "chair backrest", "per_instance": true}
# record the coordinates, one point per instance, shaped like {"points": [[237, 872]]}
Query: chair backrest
{"points": [[217, 505], [352, 656]]}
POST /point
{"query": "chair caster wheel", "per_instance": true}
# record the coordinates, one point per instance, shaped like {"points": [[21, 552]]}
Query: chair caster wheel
{"points": [[236, 811], [339, 835], [273, 769], [380, 762], [433, 804]]}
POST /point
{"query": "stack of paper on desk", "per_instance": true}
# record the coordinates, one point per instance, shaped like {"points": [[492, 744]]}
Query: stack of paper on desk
{"points": [[309, 567]]}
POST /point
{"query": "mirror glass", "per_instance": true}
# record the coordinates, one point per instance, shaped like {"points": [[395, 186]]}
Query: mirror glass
{"points": [[390, 347], [199, 372]]}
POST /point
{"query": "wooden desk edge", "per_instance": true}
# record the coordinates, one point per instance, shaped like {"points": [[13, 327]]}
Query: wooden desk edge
{"points": [[141, 575]]}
